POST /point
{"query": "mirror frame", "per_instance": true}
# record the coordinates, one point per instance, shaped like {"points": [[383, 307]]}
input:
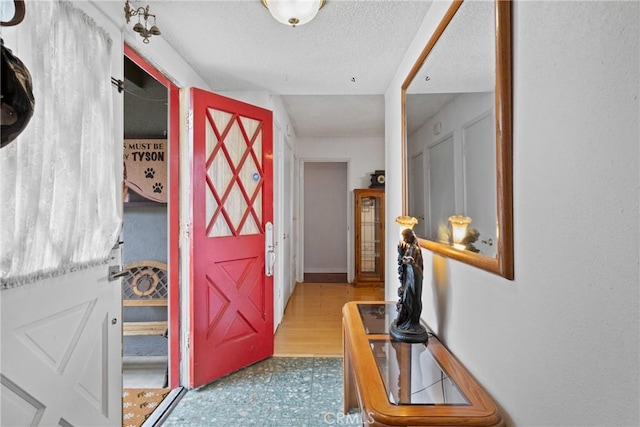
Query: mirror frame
{"points": [[502, 264]]}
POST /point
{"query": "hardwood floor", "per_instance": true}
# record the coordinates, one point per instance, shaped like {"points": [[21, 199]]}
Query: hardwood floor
{"points": [[312, 322]]}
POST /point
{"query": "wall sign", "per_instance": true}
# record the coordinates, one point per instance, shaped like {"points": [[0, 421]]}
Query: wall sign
{"points": [[145, 169]]}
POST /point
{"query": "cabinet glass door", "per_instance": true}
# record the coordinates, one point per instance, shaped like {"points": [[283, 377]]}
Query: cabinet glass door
{"points": [[370, 235]]}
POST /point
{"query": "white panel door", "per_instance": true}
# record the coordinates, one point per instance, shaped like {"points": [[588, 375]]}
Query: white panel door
{"points": [[62, 351], [480, 181], [287, 224], [441, 189]]}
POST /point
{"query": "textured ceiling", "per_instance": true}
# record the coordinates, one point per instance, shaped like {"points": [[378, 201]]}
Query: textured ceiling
{"points": [[238, 46], [462, 61], [331, 73]]}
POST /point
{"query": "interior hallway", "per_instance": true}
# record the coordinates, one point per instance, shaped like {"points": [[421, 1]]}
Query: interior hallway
{"points": [[312, 321]]}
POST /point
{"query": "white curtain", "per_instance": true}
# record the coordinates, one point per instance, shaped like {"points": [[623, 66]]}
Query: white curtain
{"points": [[57, 179]]}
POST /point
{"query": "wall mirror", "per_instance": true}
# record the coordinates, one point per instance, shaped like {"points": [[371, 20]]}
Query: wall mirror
{"points": [[457, 144]]}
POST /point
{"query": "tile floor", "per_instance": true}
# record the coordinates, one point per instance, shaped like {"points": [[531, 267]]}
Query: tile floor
{"points": [[280, 391]]}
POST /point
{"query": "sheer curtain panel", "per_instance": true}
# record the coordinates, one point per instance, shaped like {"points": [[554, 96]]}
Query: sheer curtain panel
{"points": [[57, 179]]}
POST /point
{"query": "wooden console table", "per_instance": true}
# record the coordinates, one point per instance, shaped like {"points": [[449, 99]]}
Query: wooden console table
{"points": [[399, 384]]}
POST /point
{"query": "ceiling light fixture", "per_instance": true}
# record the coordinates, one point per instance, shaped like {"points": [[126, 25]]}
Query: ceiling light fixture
{"points": [[141, 12], [293, 12]]}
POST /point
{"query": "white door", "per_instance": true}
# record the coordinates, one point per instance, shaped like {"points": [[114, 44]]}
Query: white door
{"points": [[480, 181], [441, 189], [287, 223], [62, 351]]}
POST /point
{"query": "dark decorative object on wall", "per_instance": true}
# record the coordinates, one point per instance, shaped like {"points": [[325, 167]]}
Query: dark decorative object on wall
{"points": [[377, 179], [17, 91], [407, 327], [143, 14]]}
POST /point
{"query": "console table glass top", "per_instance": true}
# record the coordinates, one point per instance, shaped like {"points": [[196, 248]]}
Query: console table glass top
{"points": [[377, 318], [410, 373]]}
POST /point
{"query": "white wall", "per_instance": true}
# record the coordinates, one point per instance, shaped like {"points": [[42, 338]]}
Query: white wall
{"points": [[364, 156], [559, 345]]}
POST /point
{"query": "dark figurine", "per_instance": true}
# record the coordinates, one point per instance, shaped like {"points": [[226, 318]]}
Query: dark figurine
{"points": [[407, 327], [17, 97]]}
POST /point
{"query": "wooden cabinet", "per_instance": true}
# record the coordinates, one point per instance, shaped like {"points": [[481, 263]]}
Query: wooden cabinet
{"points": [[369, 236]]}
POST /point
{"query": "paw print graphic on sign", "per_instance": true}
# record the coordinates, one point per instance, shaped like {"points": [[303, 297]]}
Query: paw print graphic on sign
{"points": [[149, 173], [157, 187]]}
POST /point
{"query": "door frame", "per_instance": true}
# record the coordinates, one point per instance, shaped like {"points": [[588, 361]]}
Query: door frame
{"points": [[288, 217], [350, 215], [173, 211], [284, 202], [279, 297]]}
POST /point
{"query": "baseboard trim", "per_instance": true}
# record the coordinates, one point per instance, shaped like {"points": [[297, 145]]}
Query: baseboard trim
{"points": [[325, 277]]}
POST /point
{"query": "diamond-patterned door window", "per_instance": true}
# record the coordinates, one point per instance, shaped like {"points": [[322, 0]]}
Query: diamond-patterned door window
{"points": [[234, 174]]}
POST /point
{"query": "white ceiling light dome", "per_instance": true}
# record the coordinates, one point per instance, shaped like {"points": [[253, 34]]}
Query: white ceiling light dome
{"points": [[293, 12]]}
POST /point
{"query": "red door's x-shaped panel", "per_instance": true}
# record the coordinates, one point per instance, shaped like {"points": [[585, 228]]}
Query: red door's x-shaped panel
{"points": [[228, 284]]}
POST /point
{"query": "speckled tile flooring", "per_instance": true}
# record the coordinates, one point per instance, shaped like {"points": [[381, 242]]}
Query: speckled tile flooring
{"points": [[278, 392]]}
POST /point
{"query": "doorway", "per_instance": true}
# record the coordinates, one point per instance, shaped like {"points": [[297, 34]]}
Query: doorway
{"points": [[150, 225], [144, 229], [325, 222]]}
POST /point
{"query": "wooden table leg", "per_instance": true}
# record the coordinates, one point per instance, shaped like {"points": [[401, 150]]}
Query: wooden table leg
{"points": [[348, 380]]}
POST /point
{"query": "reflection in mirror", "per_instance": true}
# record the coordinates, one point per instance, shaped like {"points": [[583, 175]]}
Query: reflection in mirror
{"points": [[457, 107]]}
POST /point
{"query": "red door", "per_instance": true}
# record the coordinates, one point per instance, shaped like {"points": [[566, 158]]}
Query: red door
{"points": [[232, 192]]}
